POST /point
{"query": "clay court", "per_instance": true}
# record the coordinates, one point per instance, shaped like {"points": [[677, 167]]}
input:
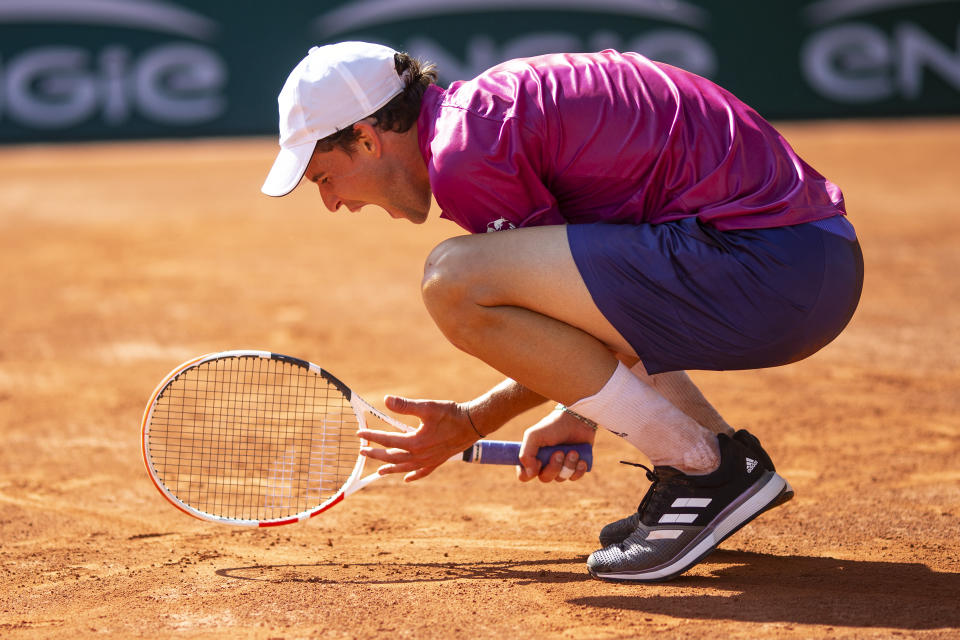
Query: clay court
{"points": [[119, 261]]}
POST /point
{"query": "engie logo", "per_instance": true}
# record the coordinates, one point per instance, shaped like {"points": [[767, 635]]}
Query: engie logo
{"points": [[466, 37], [850, 60], [171, 78]]}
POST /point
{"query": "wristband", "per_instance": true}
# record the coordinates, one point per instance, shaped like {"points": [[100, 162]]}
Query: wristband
{"points": [[467, 410]]}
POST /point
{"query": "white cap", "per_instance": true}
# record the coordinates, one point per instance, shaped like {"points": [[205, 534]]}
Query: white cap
{"points": [[333, 87]]}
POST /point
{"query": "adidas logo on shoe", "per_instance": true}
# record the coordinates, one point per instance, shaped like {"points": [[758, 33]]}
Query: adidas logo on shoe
{"points": [[751, 464]]}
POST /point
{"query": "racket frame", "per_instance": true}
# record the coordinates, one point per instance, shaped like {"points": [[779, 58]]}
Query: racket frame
{"points": [[354, 482]]}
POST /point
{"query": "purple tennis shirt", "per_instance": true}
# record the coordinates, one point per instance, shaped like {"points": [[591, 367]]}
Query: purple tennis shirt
{"points": [[610, 137]]}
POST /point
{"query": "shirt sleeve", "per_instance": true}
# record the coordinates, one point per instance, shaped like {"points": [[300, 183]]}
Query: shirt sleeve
{"points": [[486, 174]]}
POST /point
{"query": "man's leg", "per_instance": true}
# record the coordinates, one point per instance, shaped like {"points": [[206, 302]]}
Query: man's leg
{"points": [[668, 287], [679, 389], [516, 300]]}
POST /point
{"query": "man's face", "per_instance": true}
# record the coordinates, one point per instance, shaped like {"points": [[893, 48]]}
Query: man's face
{"points": [[374, 173]]}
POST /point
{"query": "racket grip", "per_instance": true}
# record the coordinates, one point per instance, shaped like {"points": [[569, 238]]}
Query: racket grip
{"points": [[502, 452]]}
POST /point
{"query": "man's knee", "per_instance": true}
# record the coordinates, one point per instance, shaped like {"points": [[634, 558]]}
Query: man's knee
{"points": [[448, 284]]}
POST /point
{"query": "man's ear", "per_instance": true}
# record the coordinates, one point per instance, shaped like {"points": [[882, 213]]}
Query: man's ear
{"points": [[369, 137]]}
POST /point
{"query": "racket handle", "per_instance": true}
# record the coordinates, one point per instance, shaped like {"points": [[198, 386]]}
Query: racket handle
{"points": [[501, 452]]}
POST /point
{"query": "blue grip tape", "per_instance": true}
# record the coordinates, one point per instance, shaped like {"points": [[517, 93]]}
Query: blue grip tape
{"points": [[501, 452]]}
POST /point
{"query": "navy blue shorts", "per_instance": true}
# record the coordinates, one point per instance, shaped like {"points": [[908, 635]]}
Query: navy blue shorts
{"points": [[686, 296]]}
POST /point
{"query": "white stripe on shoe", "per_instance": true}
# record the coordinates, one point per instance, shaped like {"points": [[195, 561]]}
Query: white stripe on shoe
{"points": [[680, 518], [664, 534], [691, 502]]}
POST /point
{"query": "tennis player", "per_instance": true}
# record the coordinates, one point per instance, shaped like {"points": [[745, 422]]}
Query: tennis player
{"points": [[628, 221]]}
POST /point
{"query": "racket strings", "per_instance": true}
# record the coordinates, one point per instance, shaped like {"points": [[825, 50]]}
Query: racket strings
{"points": [[252, 438]]}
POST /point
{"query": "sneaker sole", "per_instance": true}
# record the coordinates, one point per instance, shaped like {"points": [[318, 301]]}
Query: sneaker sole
{"points": [[727, 523], [785, 495]]}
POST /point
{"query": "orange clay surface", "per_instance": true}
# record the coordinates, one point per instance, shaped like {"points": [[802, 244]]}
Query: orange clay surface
{"points": [[119, 261]]}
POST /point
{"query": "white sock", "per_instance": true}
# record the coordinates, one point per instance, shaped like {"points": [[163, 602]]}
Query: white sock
{"points": [[680, 390], [635, 411]]}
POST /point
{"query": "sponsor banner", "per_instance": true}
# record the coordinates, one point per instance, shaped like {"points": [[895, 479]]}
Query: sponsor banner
{"points": [[107, 69]]}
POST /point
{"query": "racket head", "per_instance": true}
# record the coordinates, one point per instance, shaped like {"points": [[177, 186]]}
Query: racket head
{"points": [[252, 438]]}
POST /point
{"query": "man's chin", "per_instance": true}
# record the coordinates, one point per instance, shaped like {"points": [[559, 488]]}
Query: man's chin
{"points": [[416, 217]]}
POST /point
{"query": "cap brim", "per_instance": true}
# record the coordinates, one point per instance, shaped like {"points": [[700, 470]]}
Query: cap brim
{"points": [[288, 169]]}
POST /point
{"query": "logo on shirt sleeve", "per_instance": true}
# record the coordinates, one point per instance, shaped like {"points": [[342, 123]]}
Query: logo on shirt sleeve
{"points": [[500, 225]]}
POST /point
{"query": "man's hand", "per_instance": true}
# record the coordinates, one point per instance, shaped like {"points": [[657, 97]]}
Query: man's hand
{"points": [[444, 431], [559, 427]]}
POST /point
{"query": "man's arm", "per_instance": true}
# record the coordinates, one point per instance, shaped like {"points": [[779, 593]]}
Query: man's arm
{"points": [[446, 428], [501, 404]]}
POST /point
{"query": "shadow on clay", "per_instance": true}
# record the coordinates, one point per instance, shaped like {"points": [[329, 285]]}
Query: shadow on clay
{"points": [[749, 587], [800, 589], [548, 570]]}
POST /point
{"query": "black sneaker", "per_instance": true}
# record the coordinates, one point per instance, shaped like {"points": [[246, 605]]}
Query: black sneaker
{"points": [[618, 531], [683, 518], [751, 442]]}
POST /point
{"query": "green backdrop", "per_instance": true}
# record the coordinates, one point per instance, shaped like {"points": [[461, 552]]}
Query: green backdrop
{"points": [[107, 69]]}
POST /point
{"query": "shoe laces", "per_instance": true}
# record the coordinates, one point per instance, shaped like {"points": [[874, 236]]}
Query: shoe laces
{"points": [[651, 475], [657, 499]]}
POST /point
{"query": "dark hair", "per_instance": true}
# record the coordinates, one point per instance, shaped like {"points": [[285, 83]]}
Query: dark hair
{"points": [[400, 113]]}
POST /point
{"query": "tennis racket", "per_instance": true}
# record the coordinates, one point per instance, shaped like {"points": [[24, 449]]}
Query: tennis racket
{"points": [[259, 439]]}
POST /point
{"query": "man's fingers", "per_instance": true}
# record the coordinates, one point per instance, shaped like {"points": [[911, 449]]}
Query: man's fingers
{"points": [[526, 474], [580, 471], [529, 448], [393, 456], [396, 468], [572, 473], [529, 465], [386, 438], [566, 467], [551, 470], [406, 406], [558, 468], [414, 470], [423, 472]]}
